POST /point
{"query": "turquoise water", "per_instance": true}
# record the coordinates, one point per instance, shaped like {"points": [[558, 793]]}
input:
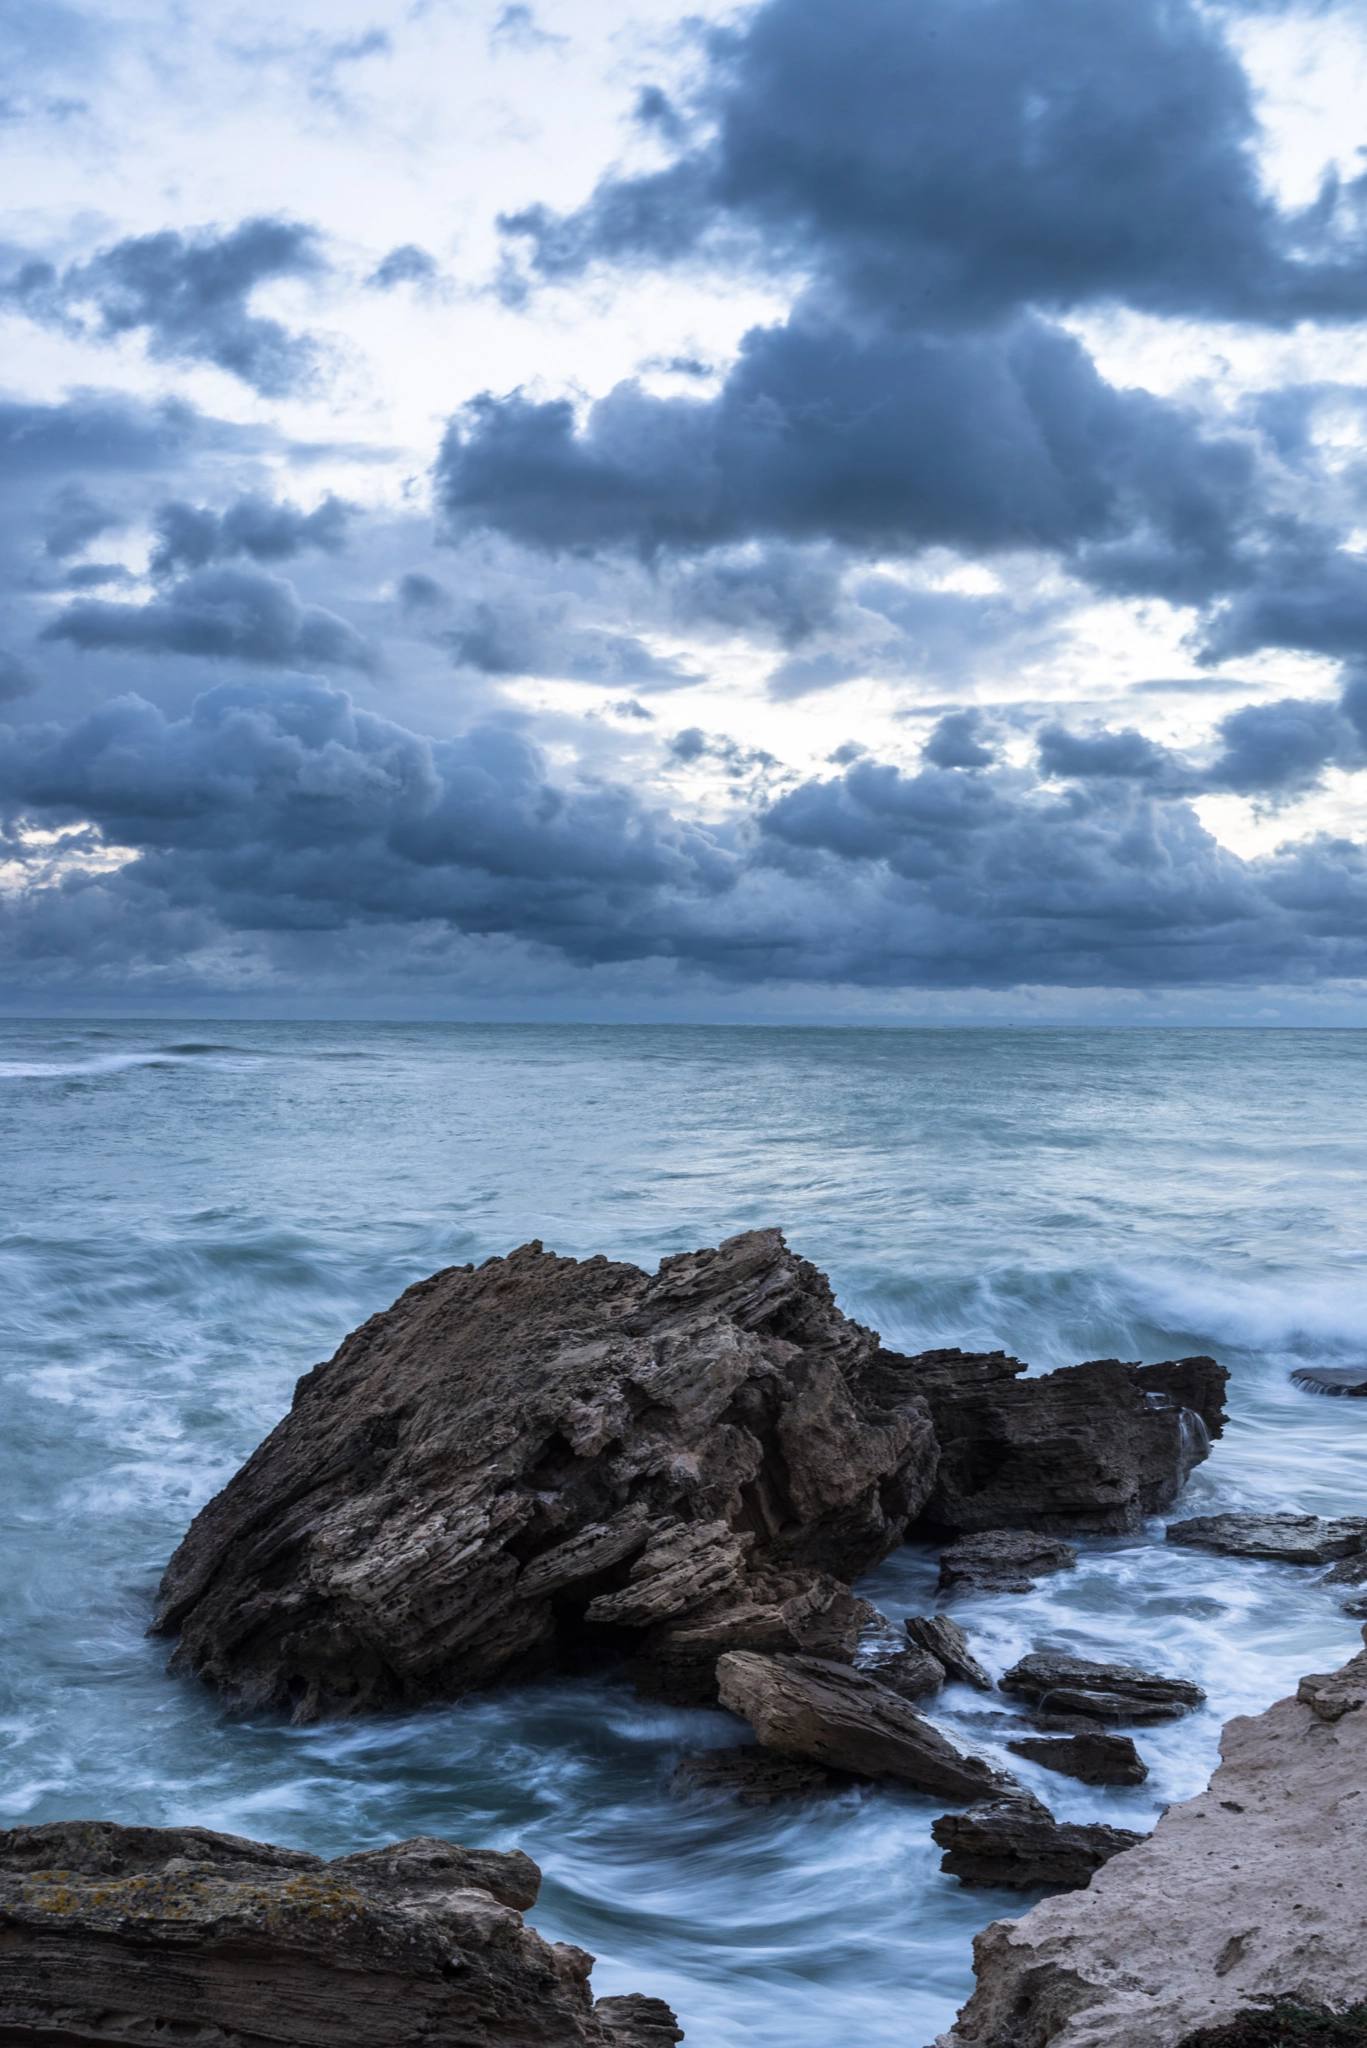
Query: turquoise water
{"points": [[194, 1214]]}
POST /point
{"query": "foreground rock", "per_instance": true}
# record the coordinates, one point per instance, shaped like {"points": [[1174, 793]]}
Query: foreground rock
{"points": [[540, 1460], [824, 1713], [1018, 1843], [944, 1640], [116, 1934], [1286, 1539], [754, 1778], [1250, 1892], [1003, 1561], [1103, 1692], [1092, 1447], [1093, 1758]]}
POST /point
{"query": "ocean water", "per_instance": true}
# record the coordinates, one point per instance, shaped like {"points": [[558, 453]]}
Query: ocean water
{"points": [[193, 1215]]}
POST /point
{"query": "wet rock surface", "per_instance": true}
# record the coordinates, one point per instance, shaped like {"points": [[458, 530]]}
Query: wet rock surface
{"points": [[1103, 1692], [754, 1778], [1347, 1380], [1003, 1561], [912, 1673], [1094, 1758], [115, 1934], [1249, 1893], [819, 1712], [1089, 1448], [544, 1460], [1017, 1842], [944, 1640], [1283, 1538]]}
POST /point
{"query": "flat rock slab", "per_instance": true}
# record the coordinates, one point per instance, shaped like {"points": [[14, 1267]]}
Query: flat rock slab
{"points": [[1094, 1758], [114, 1934], [819, 1712], [944, 1640], [1017, 1842], [1283, 1538], [1103, 1692], [1349, 1380], [1003, 1561], [753, 1777], [1252, 1891]]}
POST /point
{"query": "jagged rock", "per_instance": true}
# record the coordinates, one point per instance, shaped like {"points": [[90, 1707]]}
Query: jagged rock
{"points": [[946, 1641], [122, 1934], [1287, 1539], [910, 1673], [794, 1611], [1094, 1758], [1092, 1447], [1017, 1842], [1002, 1561], [1349, 1380], [1103, 1692], [811, 1709], [753, 1777], [541, 1459], [1252, 1891]]}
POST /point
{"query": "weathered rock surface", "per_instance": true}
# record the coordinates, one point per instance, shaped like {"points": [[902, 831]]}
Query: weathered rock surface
{"points": [[1003, 1561], [1286, 1539], [911, 1673], [946, 1641], [1349, 1380], [1095, 1758], [122, 1935], [817, 1711], [1092, 1447], [542, 1459], [1251, 1891], [1017, 1842], [753, 1777], [1103, 1692]]}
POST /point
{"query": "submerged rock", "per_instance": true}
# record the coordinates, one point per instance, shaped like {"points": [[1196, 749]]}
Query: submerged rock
{"points": [[1094, 1758], [753, 1777], [1248, 1893], [1349, 1380], [1003, 1561], [1093, 1447], [1287, 1539], [1103, 1692], [946, 1641], [1018, 1843], [539, 1460], [121, 1934], [813, 1710]]}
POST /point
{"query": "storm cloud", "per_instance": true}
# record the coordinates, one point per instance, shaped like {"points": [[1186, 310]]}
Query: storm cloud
{"points": [[224, 613]]}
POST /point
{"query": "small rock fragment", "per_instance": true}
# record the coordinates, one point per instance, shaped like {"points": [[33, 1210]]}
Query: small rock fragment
{"points": [[946, 1641], [1094, 1758], [1283, 1538], [1103, 1692], [753, 1777], [633, 2020], [1002, 1561], [1017, 1842]]}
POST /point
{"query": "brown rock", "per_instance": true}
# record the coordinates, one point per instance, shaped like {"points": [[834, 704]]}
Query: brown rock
{"points": [[1017, 1842], [911, 1674], [791, 1611], [946, 1642], [1103, 1692], [541, 1460], [1287, 1539], [1003, 1561], [808, 1708], [1249, 1893], [1094, 1758], [115, 1935], [1092, 1447], [753, 1777]]}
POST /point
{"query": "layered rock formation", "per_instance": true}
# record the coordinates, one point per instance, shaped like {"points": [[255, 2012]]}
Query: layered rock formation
{"points": [[1016, 1842], [1003, 1561], [944, 1640], [1093, 1758], [1103, 1692], [1283, 1538], [118, 1935], [1250, 1892]]}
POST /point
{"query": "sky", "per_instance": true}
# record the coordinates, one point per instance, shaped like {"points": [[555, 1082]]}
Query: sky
{"points": [[803, 513]]}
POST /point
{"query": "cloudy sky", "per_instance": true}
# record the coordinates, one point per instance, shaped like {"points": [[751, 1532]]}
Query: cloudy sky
{"points": [[591, 510]]}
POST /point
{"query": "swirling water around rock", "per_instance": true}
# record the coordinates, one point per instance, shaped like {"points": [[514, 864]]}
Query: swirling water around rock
{"points": [[194, 1216]]}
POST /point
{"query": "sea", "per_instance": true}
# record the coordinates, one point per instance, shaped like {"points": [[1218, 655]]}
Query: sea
{"points": [[194, 1214]]}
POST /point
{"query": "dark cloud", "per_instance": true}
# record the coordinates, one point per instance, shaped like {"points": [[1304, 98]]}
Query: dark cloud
{"points": [[523, 635], [956, 742], [189, 536], [408, 264], [226, 613], [190, 295], [15, 679], [102, 432], [74, 519]]}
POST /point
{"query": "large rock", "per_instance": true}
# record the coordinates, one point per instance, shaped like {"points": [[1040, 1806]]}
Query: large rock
{"points": [[1094, 1758], [825, 1713], [1104, 1692], [1093, 1447], [1017, 1842], [1288, 1539], [1003, 1561], [944, 1640], [121, 1935], [537, 1460], [1250, 1892]]}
